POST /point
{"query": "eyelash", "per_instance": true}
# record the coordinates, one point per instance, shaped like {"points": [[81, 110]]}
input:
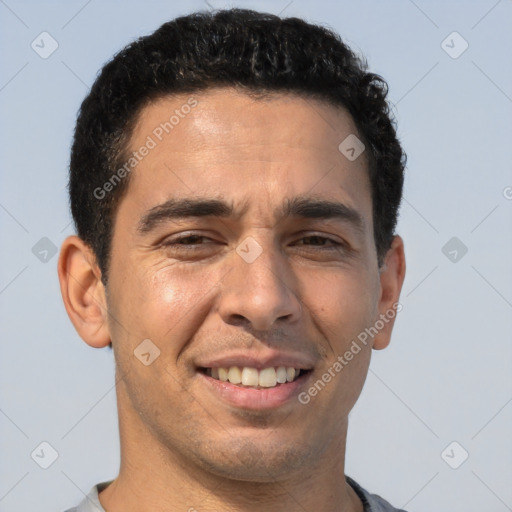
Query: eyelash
{"points": [[175, 242]]}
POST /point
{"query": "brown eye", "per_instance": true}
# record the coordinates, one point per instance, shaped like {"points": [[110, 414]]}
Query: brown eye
{"points": [[320, 240], [187, 240]]}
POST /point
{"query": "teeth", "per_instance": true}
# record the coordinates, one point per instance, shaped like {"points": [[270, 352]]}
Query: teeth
{"points": [[281, 375], [235, 375], [223, 374], [268, 378], [247, 376]]}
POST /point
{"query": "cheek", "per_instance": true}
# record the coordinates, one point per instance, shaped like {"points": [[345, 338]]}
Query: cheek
{"points": [[342, 303], [166, 292], [166, 303]]}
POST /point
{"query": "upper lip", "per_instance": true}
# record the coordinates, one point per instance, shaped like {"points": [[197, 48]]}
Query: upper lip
{"points": [[258, 361]]}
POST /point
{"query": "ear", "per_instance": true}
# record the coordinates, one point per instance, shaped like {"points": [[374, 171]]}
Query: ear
{"points": [[83, 292], [392, 275]]}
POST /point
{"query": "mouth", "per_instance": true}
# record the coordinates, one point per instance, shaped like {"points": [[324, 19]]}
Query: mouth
{"points": [[250, 377], [255, 389]]}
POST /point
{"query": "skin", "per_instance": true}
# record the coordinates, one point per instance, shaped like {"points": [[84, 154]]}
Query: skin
{"points": [[183, 447]]}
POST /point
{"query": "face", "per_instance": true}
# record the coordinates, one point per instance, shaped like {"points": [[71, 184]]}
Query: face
{"points": [[244, 245]]}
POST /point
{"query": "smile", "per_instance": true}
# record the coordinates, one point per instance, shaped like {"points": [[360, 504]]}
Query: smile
{"points": [[247, 376], [250, 388]]}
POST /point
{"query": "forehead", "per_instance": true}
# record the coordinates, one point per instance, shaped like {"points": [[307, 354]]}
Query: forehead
{"points": [[224, 143], [223, 117]]}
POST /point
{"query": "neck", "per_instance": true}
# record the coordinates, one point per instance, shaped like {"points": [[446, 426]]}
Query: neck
{"points": [[154, 478]]}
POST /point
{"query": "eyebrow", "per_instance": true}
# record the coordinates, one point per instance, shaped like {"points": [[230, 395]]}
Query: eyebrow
{"points": [[297, 207]]}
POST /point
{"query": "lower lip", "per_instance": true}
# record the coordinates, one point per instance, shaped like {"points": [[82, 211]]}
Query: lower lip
{"points": [[256, 399]]}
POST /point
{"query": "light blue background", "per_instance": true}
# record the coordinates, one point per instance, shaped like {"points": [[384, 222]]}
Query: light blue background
{"points": [[447, 373]]}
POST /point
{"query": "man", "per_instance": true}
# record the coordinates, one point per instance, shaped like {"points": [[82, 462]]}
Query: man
{"points": [[235, 180]]}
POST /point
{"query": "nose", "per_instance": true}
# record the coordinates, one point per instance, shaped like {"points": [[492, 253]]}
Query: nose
{"points": [[259, 293]]}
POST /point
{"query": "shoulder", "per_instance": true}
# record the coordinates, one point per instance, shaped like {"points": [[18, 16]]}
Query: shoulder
{"points": [[372, 502], [91, 502]]}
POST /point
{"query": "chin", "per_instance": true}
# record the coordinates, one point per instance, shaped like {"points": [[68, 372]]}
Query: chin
{"points": [[257, 460]]}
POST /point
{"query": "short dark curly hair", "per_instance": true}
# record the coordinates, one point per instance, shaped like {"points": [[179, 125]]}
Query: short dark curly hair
{"points": [[258, 52]]}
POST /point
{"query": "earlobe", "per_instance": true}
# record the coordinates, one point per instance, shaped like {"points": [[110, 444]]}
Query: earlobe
{"points": [[391, 280], [83, 292]]}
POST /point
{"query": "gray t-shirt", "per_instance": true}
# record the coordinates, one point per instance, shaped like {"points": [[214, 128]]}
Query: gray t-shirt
{"points": [[371, 502]]}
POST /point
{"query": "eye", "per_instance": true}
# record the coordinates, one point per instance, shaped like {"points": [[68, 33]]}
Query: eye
{"points": [[189, 241], [190, 245], [322, 248], [185, 240], [320, 241]]}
